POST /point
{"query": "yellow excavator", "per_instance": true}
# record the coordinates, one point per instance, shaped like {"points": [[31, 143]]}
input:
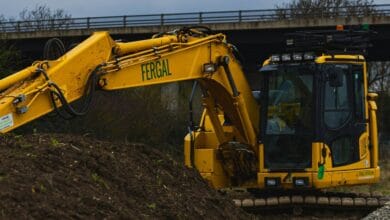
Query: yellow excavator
{"points": [[309, 124]]}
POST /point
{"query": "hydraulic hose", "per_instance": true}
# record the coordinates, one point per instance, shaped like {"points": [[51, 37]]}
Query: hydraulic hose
{"points": [[57, 94]]}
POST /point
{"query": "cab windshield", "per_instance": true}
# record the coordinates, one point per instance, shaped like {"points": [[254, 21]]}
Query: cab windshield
{"points": [[287, 101]]}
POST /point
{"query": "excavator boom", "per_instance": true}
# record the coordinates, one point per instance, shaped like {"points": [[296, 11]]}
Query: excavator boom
{"points": [[120, 65]]}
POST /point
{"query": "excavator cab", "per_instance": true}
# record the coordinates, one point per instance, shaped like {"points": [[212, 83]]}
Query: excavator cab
{"points": [[318, 123]]}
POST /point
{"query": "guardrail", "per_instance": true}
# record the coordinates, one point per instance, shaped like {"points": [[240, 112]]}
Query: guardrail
{"points": [[190, 18]]}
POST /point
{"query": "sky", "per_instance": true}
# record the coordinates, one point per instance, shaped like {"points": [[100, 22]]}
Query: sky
{"points": [[91, 8]]}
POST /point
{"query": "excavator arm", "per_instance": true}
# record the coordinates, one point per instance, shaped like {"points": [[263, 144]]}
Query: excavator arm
{"points": [[36, 90], [231, 113]]}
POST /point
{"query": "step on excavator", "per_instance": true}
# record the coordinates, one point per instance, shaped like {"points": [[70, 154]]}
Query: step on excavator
{"points": [[310, 123]]}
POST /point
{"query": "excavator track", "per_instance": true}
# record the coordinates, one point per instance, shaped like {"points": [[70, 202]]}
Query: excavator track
{"points": [[315, 203]]}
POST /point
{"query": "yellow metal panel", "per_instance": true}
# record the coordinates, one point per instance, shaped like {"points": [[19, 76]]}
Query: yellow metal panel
{"points": [[325, 182], [363, 145], [261, 158], [349, 177], [331, 179], [210, 168], [204, 160], [286, 178], [207, 140], [316, 155], [373, 135], [353, 59]]}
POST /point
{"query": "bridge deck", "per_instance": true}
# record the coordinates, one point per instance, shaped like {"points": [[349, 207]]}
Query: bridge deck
{"points": [[217, 20]]}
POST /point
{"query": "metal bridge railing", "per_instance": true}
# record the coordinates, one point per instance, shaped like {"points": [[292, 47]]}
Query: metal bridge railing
{"points": [[190, 18]]}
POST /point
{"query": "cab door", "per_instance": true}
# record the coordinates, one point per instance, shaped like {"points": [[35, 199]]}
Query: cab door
{"points": [[342, 118]]}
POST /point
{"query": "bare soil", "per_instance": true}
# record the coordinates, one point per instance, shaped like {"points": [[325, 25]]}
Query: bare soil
{"points": [[68, 176]]}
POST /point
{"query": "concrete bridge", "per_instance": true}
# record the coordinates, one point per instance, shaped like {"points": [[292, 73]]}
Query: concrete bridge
{"points": [[257, 33]]}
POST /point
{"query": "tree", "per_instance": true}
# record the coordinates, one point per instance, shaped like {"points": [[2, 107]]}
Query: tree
{"points": [[379, 82], [44, 18], [379, 76], [41, 17], [3, 23], [325, 8]]}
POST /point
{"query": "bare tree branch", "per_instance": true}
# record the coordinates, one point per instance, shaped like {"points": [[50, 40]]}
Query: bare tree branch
{"points": [[379, 76], [326, 8], [43, 18]]}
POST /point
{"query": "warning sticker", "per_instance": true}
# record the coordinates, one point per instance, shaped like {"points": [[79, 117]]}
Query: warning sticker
{"points": [[6, 121]]}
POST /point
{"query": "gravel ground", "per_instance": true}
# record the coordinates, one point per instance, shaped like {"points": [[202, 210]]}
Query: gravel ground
{"points": [[382, 213]]}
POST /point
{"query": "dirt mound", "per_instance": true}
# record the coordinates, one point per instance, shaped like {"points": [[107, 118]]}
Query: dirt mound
{"points": [[66, 176]]}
